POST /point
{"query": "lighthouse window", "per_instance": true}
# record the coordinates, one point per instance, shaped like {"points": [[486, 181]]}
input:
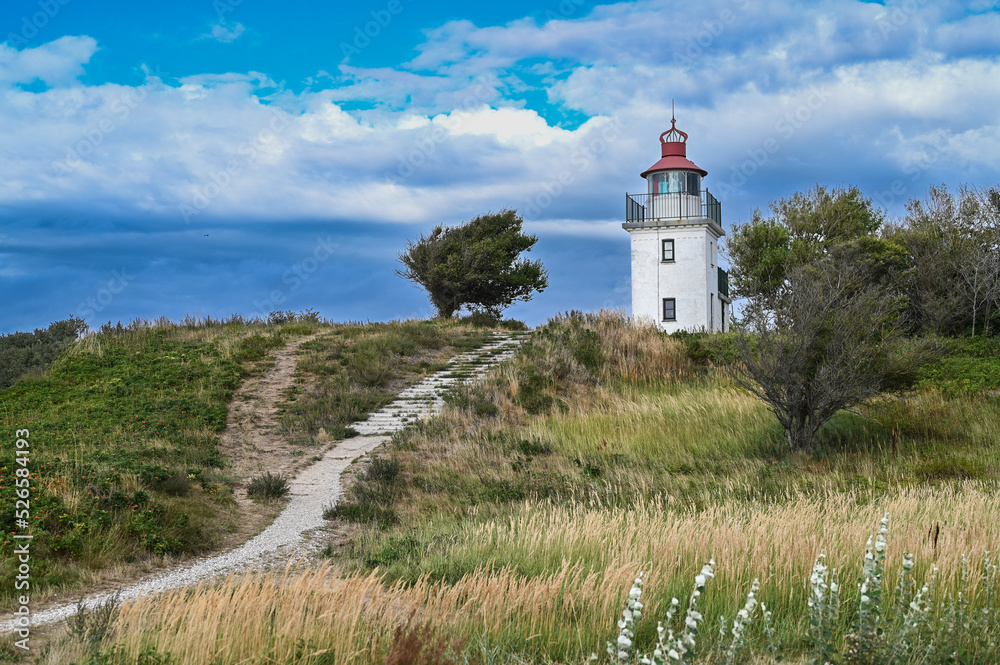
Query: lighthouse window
{"points": [[694, 183], [668, 250], [669, 309], [658, 183], [676, 184]]}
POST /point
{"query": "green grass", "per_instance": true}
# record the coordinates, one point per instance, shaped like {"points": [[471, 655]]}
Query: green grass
{"points": [[124, 462], [970, 369]]}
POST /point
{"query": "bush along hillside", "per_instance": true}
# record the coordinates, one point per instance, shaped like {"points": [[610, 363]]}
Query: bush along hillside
{"points": [[24, 353], [124, 427]]}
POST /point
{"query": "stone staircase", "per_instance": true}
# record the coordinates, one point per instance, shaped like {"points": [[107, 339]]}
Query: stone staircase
{"points": [[426, 398]]}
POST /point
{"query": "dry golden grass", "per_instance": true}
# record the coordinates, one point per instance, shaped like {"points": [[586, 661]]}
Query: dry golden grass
{"points": [[591, 554], [268, 618], [777, 543]]}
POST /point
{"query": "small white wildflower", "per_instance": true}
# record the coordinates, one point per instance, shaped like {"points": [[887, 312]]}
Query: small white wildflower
{"points": [[624, 642], [865, 599], [700, 580], [673, 654]]}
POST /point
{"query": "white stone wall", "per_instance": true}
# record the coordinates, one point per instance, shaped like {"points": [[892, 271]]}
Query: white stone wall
{"points": [[645, 274], [691, 279]]}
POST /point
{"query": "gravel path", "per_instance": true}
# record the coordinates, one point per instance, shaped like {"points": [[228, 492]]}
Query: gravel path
{"points": [[316, 488]]}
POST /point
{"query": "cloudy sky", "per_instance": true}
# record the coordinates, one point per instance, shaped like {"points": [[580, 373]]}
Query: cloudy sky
{"points": [[239, 156]]}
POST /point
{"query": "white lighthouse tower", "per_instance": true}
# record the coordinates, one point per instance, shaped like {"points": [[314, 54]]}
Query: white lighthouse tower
{"points": [[675, 228]]}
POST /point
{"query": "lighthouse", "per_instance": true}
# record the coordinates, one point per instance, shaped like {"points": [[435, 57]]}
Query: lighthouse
{"points": [[675, 228]]}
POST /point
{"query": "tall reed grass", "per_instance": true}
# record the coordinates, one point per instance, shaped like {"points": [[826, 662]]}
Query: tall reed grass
{"points": [[548, 580]]}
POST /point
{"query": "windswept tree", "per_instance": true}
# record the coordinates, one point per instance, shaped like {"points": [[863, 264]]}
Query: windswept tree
{"points": [[476, 265]]}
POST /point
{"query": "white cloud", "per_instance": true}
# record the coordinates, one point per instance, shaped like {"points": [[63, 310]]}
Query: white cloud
{"points": [[56, 63], [834, 94], [225, 31]]}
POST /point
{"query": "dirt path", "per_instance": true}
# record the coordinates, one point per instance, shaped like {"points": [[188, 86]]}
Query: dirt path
{"points": [[252, 440], [255, 437]]}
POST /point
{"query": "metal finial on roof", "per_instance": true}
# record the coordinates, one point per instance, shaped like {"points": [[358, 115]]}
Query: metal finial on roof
{"points": [[673, 135]]}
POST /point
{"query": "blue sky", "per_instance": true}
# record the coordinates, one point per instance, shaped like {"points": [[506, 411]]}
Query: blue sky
{"points": [[236, 156]]}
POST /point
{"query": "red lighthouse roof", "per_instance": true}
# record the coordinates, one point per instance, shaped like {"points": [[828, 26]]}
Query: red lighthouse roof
{"points": [[673, 152]]}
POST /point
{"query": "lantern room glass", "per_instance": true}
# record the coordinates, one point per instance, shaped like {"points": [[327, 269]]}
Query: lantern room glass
{"points": [[674, 182]]}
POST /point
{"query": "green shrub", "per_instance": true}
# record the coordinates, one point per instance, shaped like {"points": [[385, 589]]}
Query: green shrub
{"points": [[531, 447], [970, 367], [513, 325], [363, 513], [382, 470], [256, 347], [371, 497], [267, 487], [470, 398], [949, 468], [23, 353], [176, 484], [532, 395], [480, 319]]}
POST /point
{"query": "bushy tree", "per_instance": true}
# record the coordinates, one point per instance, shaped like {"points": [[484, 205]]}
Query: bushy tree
{"points": [[831, 340], [953, 257], [476, 264], [822, 325], [803, 229]]}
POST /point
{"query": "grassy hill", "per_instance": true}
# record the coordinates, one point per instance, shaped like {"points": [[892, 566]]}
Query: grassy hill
{"points": [[124, 432], [510, 528]]}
